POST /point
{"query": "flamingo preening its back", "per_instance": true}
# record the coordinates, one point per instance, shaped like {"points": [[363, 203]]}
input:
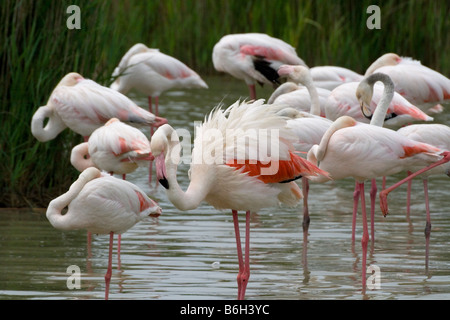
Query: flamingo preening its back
{"points": [[253, 57]]}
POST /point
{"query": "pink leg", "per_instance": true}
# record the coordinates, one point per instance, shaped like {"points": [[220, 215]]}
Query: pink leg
{"points": [[306, 219], [109, 271], [252, 89], [89, 241], [428, 223], [244, 268], [373, 194], [408, 197], [384, 193], [365, 236], [356, 195]]}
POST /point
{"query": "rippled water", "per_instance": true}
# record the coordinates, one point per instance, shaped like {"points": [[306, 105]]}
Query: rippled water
{"points": [[192, 255]]}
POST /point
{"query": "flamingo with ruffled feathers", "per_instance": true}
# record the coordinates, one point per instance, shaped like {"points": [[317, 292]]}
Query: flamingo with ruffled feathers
{"points": [[231, 168], [101, 204]]}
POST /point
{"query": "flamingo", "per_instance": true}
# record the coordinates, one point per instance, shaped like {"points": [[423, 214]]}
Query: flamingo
{"points": [[231, 168], [151, 72], [342, 101], [101, 204], [298, 97], [329, 77], [366, 151], [308, 128], [84, 105], [422, 86], [439, 136], [115, 147], [253, 57]]}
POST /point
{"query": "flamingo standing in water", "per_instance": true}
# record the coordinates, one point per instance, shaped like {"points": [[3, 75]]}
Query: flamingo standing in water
{"points": [[231, 167], [308, 128], [420, 85], [115, 148], [253, 57], [83, 105], [364, 152], [152, 72], [101, 204], [439, 136]]}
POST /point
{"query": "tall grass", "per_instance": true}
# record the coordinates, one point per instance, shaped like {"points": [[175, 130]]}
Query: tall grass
{"points": [[37, 49]]}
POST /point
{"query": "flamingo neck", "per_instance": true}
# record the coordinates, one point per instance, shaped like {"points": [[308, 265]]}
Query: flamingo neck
{"points": [[383, 105], [48, 132], [315, 102], [54, 210], [166, 168], [80, 158]]}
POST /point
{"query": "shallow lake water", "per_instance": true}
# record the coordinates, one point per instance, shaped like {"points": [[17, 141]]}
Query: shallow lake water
{"points": [[192, 254]]}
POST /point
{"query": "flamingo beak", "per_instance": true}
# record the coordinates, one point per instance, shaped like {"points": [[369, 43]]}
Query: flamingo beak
{"points": [[161, 174], [159, 122]]}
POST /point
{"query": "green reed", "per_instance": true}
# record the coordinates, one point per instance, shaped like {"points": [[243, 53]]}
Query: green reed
{"points": [[37, 49]]}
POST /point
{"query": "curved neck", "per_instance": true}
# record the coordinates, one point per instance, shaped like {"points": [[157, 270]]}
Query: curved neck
{"points": [[315, 102], [317, 152], [79, 157], [54, 126], [167, 169], [388, 93], [56, 206]]}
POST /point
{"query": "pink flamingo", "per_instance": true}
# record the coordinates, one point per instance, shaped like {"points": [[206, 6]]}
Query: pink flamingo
{"points": [[83, 105], [420, 85], [342, 101], [253, 57], [101, 204], [329, 77], [437, 135], [152, 72], [364, 151], [308, 128], [230, 168], [115, 148]]}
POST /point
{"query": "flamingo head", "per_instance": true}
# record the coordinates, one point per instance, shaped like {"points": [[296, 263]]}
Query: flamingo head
{"points": [[295, 73], [364, 94], [71, 79]]}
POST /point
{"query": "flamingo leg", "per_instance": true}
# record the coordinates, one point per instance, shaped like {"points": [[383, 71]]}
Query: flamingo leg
{"points": [[306, 219], [373, 194], [428, 223], [356, 195], [365, 236], [408, 197], [252, 90], [109, 271], [384, 193], [244, 267]]}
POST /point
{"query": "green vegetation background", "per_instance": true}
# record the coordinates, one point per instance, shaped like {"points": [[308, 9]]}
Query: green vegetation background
{"points": [[37, 49]]}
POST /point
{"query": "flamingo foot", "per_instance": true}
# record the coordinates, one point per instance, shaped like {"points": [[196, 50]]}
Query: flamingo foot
{"points": [[384, 193]]}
